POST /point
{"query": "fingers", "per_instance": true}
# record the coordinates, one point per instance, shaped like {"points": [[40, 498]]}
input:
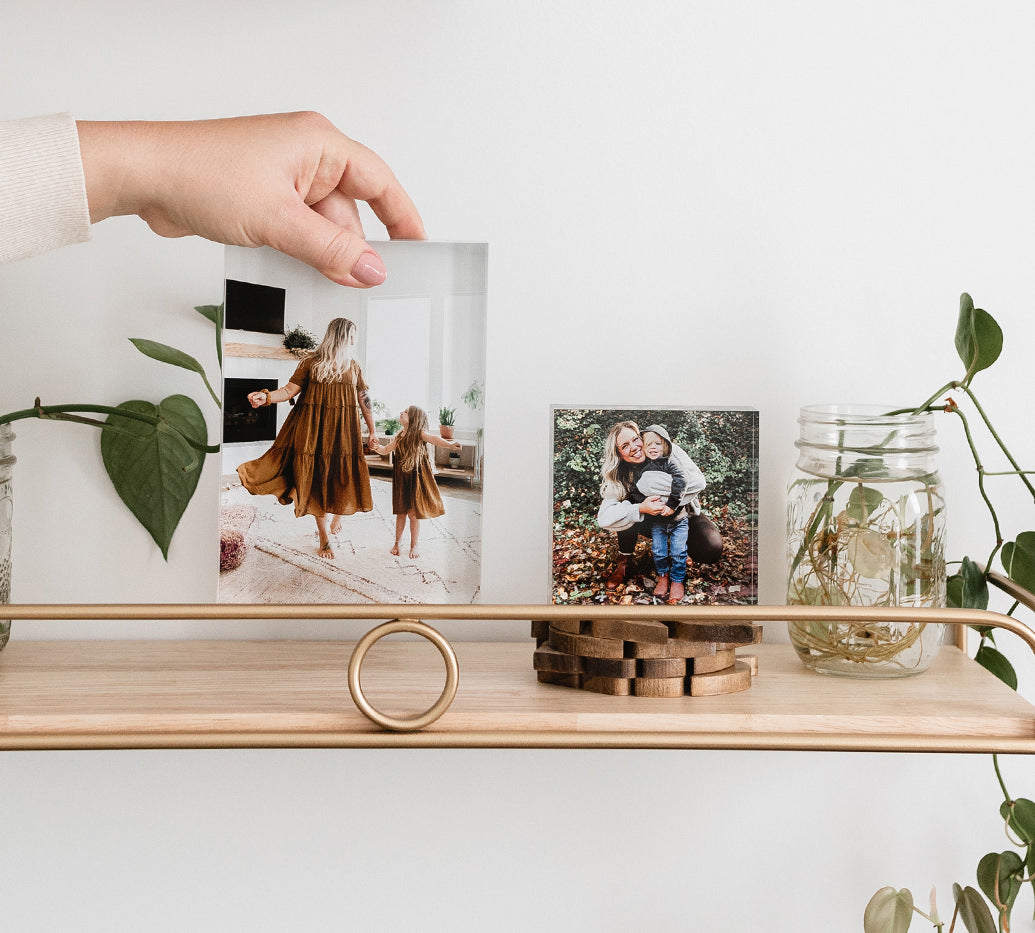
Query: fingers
{"points": [[368, 178], [340, 209], [338, 252], [399, 215], [290, 181]]}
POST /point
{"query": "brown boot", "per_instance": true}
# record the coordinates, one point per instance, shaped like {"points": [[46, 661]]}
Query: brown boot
{"points": [[676, 593], [617, 577], [661, 587]]}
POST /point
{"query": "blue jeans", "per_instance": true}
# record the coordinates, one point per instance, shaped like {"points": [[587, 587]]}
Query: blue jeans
{"points": [[704, 542], [668, 542]]}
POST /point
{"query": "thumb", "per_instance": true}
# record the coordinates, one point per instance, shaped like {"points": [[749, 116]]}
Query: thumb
{"points": [[337, 252]]}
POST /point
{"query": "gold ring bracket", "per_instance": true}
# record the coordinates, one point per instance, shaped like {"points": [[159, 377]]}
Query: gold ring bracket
{"points": [[413, 723]]}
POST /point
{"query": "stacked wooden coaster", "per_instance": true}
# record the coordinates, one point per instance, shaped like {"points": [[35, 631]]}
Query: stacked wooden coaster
{"points": [[645, 658]]}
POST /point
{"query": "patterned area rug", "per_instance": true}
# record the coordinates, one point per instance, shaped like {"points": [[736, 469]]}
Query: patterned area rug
{"points": [[282, 565]]}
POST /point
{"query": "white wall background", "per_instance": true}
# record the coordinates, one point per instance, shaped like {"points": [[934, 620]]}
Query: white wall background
{"points": [[777, 203]]}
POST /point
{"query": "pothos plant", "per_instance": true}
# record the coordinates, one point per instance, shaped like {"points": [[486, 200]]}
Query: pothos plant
{"points": [[1000, 875], [152, 451]]}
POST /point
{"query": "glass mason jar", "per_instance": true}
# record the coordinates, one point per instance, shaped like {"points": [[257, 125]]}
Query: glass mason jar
{"points": [[6, 514], [866, 527]]}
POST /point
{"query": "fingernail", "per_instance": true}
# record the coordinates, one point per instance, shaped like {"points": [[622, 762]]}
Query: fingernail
{"points": [[369, 270]]}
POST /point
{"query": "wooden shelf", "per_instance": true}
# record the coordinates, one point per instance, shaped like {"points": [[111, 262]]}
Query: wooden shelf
{"points": [[254, 351], [158, 694], [466, 469], [377, 462]]}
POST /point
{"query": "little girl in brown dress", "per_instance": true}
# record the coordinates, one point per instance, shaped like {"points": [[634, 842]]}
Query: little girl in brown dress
{"points": [[415, 493], [317, 462]]}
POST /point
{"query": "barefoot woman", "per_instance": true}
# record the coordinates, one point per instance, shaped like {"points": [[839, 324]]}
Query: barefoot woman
{"points": [[623, 450], [317, 462]]}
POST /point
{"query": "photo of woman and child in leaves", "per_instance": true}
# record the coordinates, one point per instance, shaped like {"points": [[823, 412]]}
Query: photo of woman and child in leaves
{"points": [[655, 506]]}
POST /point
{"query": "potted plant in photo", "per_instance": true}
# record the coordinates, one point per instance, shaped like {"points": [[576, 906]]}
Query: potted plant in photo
{"points": [[385, 423], [446, 419], [299, 341], [454, 459]]}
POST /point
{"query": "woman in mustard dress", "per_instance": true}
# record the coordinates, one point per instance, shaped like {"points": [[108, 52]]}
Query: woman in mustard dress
{"points": [[317, 461]]}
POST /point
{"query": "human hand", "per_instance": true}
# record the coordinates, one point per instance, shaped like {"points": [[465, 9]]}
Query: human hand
{"points": [[290, 181], [456, 445], [652, 505], [257, 399], [374, 443], [667, 511]]}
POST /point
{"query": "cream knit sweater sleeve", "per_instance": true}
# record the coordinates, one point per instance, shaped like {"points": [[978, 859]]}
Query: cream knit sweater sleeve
{"points": [[42, 189]]}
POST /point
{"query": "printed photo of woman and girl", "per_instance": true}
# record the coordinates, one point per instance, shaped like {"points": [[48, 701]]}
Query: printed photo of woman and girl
{"points": [[316, 463], [348, 501], [655, 506]]}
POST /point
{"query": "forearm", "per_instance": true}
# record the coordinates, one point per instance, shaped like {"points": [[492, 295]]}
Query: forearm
{"points": [[439, 441], [368, 412], [618, 514], [273, 396], [118, 165]]}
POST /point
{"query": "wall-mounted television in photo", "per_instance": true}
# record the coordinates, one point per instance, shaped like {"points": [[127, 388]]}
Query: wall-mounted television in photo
{"points": [[258, 308]]}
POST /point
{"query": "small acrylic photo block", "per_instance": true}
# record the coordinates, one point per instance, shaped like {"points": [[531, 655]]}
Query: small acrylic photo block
{"points": [[596, 496], [419, 341]]}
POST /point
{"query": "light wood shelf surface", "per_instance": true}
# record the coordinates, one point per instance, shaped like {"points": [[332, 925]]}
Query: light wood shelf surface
{"points": [[254, 351], [153, 694]]}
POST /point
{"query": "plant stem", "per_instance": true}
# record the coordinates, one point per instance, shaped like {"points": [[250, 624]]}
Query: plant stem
{"points": [[938, 924], [999, 776], [998, 439], [954, 409], [211, 391], [934, 397], [56, 413]]}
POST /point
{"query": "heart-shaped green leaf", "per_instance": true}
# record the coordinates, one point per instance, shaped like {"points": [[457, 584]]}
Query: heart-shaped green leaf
{"points": [[994, 661], [154, 470], [862, 500], [979, 339], [1021, 816], [974, 594], [166, 354], [215, 314], [954, 591], [973, 910], [999, 875], [1018, 558], [889, 911]]}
